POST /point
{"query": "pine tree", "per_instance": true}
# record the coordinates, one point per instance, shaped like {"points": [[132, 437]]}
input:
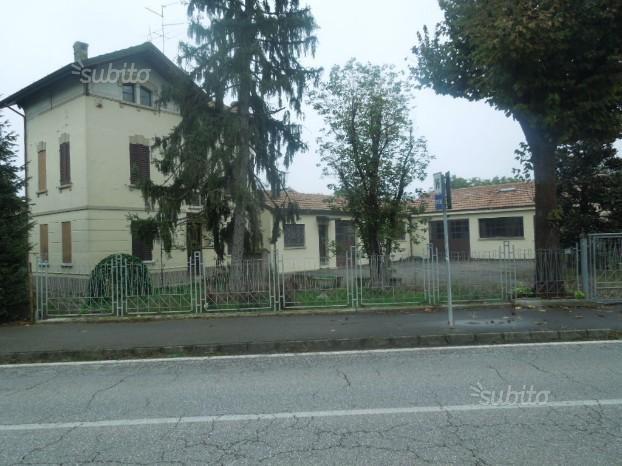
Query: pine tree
{"points": [[14, 227], [230, 156]]}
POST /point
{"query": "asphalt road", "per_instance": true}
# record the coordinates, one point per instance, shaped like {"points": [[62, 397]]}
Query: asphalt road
{"points": [[381, 407]]}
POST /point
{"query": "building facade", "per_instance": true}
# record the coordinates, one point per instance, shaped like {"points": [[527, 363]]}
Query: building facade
{"points": [[88, 141]]}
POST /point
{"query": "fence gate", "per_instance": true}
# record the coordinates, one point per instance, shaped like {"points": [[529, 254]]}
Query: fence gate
{"points": [[606, 266]]}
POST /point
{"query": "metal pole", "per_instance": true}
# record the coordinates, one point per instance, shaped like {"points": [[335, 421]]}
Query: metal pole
{"points": [[450, 310], [585, 270]]}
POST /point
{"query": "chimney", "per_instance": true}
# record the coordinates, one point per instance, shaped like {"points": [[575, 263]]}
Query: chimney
{"points": [[80, 51]]}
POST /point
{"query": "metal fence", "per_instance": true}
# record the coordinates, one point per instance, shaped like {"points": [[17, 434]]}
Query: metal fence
{"points": [[122, 287], [380, 281], [603, 261]]}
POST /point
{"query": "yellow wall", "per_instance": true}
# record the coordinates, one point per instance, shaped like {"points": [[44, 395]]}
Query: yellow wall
{"points": [[485, 246]]}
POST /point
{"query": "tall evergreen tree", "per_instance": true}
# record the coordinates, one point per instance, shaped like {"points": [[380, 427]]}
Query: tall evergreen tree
{"points": [[14, 227], [230, 156]]}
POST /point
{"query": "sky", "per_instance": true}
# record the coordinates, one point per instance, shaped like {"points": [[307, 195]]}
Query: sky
{"points": [[470, 139]]}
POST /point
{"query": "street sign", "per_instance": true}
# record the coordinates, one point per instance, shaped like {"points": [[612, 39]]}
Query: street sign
{"points": [[447, 192], [439, 201], [439, 192]]}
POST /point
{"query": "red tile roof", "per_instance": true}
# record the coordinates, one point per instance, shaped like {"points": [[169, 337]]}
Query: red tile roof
{"points": [[500, 196], [306, 201]]}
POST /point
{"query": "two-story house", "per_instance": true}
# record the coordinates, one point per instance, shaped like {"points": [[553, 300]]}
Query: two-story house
{"points": [[88, 130]]}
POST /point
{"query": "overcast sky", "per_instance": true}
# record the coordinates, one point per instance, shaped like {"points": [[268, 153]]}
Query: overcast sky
{"points": [[470, 139]]}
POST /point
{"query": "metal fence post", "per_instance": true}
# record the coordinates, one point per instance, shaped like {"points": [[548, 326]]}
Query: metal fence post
{"points": [[585, 270]]}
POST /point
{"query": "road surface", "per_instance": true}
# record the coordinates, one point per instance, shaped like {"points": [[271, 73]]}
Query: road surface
{"points": [[529, 404]]}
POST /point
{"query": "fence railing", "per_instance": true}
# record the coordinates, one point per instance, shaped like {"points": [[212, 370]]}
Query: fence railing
{"points": [[122, 287]]}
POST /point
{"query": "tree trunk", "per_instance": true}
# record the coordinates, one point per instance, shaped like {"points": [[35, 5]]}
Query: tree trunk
{"points": [[240, 175], [547, 238]]}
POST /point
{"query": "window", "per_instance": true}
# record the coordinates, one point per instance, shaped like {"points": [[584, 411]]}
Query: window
{"points": [[66, 242], [458, 230], [436, 231], [139, 163], [294, 235], [42, 171], [501, 227], [43, 243], [65, 164], [145, 96], [142, 249], [128, 92]]}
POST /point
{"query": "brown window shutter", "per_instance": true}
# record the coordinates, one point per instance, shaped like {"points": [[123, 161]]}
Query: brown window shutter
{"points": [[65, 164], [66, 240], [43, 242], [139, 163], [42, 169]]}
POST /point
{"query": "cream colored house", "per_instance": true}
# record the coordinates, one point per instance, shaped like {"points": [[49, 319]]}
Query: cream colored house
{"points": [[483, 220], [88, 134], [89, 127]]}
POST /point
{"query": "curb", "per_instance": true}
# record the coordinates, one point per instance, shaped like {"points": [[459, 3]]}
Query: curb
{"points": [[388, 309], [304, 346]]}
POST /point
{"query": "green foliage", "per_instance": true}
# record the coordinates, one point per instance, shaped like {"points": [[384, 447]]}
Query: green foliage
{"points": [[589, 189], [578, 294], [223, 154], [129, 273], [553, 65], [459, 182], [14, 226], [368, 145]]}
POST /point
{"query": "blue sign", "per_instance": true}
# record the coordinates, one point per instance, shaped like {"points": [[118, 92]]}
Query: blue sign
{"points": [[439, 201]]}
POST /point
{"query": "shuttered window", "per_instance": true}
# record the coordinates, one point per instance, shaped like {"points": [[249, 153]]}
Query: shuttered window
{"points": [[65, 164], [43, 242], [139, 163], [141, 249], [66, 242], [294, 235], [42, 171]]}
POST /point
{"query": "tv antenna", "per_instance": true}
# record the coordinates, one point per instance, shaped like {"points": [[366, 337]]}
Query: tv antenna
{"points": [[163, 25]]}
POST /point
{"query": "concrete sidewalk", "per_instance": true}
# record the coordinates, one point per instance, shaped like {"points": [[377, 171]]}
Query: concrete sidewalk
{"points": [[303, 332]]}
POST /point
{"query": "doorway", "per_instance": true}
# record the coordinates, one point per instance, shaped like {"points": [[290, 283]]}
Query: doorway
{"points": [[344, 239], [459, 238]]}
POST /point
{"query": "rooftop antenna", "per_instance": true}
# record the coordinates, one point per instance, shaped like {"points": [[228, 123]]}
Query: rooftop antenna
{"points": [[163, 25]]}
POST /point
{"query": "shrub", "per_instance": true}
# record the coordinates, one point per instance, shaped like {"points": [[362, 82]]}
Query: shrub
{"points": [[131, 273]]}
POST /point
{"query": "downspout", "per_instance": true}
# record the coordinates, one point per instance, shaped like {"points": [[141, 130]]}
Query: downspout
{"points": [[28, 264]]}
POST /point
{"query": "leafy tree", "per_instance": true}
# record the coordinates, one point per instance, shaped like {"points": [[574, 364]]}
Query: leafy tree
{"points": [[459, 182], [14, 227], [368, 145], [553, 65], [589, 189], [227, 157]]}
